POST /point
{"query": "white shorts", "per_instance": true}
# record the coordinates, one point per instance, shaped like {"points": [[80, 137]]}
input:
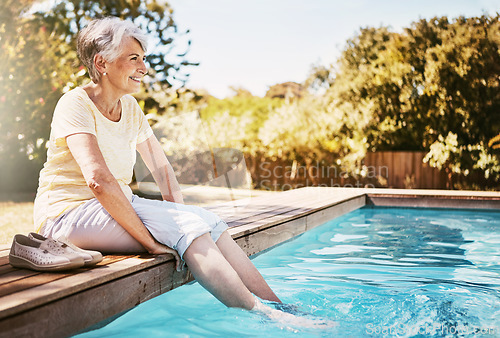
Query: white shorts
{"points": [[90, 226]]}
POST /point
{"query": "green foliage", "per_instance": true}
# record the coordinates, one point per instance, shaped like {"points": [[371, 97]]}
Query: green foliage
{"points": [[28, 93], [444, 153], [437, 78], [39, 64], [320, 79], [433, 87], [235, 121], [307, 132], [494, 142]]}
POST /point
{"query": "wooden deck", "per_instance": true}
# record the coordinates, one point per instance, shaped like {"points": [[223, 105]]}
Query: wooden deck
{"points": [[61, 304]]}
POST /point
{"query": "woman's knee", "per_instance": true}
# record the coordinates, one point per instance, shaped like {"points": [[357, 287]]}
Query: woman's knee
{"points": [[201, 245]]}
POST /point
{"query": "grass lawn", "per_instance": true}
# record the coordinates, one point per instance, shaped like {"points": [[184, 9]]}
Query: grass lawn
{"points": [[15, 218]]}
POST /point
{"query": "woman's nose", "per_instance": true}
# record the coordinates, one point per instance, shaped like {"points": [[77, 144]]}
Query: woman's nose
{"points": [[142, 68]]}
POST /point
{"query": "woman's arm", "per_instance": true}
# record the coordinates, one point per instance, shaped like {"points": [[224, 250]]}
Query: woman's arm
{"points": [[85, 150], [154, 156]]}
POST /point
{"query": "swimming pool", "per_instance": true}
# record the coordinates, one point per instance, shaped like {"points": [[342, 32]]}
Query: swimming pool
{"points": [[376, 271]]}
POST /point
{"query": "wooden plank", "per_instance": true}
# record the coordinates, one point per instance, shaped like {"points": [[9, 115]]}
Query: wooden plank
{"points": [[409, 176], [252, 211], [107, 259], [260, 207], [266, 222], [430, 176], [261, 240], [285, 229], [387, 159], [21, 279], [235, 210], [28, 278], [298, 206], [369, 159], [417, 169], [83, 309], [58, 288], [14, 274], [322, 216], [263, 223], [401, 170], [310, 198], [34, 280], [246, 211], [404, 163], [259, 216], [6, 268]]}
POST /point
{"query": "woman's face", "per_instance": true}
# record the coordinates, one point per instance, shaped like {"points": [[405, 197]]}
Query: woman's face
{"points": [[127, 71]]}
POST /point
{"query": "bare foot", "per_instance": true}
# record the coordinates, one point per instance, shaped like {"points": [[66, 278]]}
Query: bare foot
{"points": [[290, 319]]}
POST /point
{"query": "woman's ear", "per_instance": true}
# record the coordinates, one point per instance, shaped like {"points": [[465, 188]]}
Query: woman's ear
{"points": [[100, 63]]}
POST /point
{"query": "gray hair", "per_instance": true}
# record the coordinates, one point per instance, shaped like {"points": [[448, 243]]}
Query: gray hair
{"points": [[105, 37]]}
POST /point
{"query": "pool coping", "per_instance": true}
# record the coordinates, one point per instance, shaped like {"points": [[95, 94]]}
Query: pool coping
{"points": [[349, 199], [256, 224]]}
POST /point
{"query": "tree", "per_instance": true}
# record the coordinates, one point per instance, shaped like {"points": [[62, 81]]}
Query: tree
{"points": [[39, 64], [28, 93], [437, 77], [286, 90], [247, 113], [462, 86]]}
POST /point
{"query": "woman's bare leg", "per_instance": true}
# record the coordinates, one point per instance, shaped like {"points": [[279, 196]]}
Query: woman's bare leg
{"points": [[246, 270], [214, 273]]}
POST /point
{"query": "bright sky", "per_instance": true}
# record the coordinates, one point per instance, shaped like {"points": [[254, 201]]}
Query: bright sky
{"points": [[258, 43]]}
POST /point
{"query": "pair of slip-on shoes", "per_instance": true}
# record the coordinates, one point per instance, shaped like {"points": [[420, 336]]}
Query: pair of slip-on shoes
{"points": [[39, 253]]}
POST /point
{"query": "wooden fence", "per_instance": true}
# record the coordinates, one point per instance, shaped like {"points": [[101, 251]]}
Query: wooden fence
{"points": [[391, 169], [405, 169]]}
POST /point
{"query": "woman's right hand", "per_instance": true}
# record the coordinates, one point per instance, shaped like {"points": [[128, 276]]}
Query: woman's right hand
{"points": [[160, 249]]}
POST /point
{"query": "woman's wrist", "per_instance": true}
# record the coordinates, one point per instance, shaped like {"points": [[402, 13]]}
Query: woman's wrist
{"points": [[175, 197], [150, 245], [178, 198]]}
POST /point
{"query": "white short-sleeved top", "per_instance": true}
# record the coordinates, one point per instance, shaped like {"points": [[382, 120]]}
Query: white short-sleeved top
{"points": [[62, 186]]}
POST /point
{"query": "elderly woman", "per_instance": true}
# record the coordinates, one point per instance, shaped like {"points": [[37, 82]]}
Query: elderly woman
{"points": [[83, 191]]}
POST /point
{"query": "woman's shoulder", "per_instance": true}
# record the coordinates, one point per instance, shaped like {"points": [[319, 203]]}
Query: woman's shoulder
{"points": [[77, 94], [129, 99], [130, 104], [74, 102]]}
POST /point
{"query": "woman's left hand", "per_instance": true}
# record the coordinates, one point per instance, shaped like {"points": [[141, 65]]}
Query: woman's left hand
{"points": [[160, 249]]}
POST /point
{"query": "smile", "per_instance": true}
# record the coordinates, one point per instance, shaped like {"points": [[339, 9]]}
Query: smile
{"points": [[136, 79]]}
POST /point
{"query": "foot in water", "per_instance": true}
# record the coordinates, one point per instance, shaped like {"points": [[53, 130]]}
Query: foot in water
{"points": [[288, 308], [289, 314]]}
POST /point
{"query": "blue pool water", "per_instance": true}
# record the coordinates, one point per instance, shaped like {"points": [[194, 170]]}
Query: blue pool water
{"points": [[406, 272]]}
